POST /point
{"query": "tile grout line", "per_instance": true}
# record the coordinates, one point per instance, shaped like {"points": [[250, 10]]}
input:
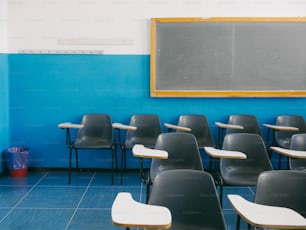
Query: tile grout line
{"points": [[78, 205], [253, 193], [24, 196]]}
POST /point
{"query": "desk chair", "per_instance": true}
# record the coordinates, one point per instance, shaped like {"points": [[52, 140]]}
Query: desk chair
{"points": [[95, 132], [191, 197], [298, 142], [239, 123], [282, 137], [148, 128], [280, 189], [249, 122], [199, 127], [243, 172], [183, 153]]}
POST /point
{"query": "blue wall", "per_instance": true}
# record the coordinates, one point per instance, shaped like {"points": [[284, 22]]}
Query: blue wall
{"points": [[4, 108], [48, 89]]}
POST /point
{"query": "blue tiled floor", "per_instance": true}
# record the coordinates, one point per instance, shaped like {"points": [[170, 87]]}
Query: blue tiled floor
{"points": [[44, 200]]}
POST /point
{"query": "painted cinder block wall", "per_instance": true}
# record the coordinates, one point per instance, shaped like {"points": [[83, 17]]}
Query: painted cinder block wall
{"points": [[50, 74]]}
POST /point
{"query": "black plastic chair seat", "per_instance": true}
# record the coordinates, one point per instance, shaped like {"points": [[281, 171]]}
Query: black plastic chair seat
{"points": [[199, 128], [283, 138], [285, 143], [298, 142], [245, 172], [146, 141], [284, 188], [300, 168], [281, 188], [92, 143], [183, 153], [191, 197], [97, 133], [241, 177], [249, 122]]}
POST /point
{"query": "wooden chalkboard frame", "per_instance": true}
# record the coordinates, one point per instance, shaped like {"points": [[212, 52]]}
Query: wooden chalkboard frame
{"points": [[216, 93]]}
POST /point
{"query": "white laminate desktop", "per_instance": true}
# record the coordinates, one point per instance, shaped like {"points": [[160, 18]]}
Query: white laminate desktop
{"points": [[228, 126], [218, 153], [267, 216], [281, 127], [68, 125], [289, 152], [122, 126], [142, 152], [177, 127], [126, 212]]}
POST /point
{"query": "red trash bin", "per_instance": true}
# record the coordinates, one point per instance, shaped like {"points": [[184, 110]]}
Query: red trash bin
{"points": [[17, 161]]}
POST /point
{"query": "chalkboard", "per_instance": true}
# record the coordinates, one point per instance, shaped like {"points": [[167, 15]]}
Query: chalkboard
{"points": [[228, 57]]}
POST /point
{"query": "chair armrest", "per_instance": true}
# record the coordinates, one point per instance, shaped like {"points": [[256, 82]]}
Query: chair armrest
{"points": [[142, 152], [228, 126], [122, 126], [267, 216], [218, 153], [281, 127], [68, 125], [127, 212], [289, 152], [177, 127]]}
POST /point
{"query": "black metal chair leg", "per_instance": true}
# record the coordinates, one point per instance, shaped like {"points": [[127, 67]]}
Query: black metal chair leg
{"points": [[116, 157], [238, 222], [77, 158], [148, 184], [121, 169], [70, 157], [113, 158], [124, 160], [221, 192], [279, 161]]}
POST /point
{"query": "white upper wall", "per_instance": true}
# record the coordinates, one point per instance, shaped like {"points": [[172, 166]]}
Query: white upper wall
{"points": [[3, 26], [116, 26]]}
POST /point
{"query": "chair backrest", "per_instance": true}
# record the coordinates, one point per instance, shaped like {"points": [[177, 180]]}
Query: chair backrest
{"points": [[191, 197], [283, 138], [298, 142], [199, 128], [244, 172], [97, 130], [183, 153], [148, 129], [249, 122], [284, 188]]}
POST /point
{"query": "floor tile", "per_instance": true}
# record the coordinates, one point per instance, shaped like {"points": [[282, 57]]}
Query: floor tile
{"points": [[10, 195], [35, 219], [92, 219], [4, 212], [53, 197], [31, 179], [60, 178], [103, 197], [105, 179]]}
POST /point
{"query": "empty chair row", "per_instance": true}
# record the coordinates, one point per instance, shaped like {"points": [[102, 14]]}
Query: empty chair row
{"points": [[96, 132]]}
